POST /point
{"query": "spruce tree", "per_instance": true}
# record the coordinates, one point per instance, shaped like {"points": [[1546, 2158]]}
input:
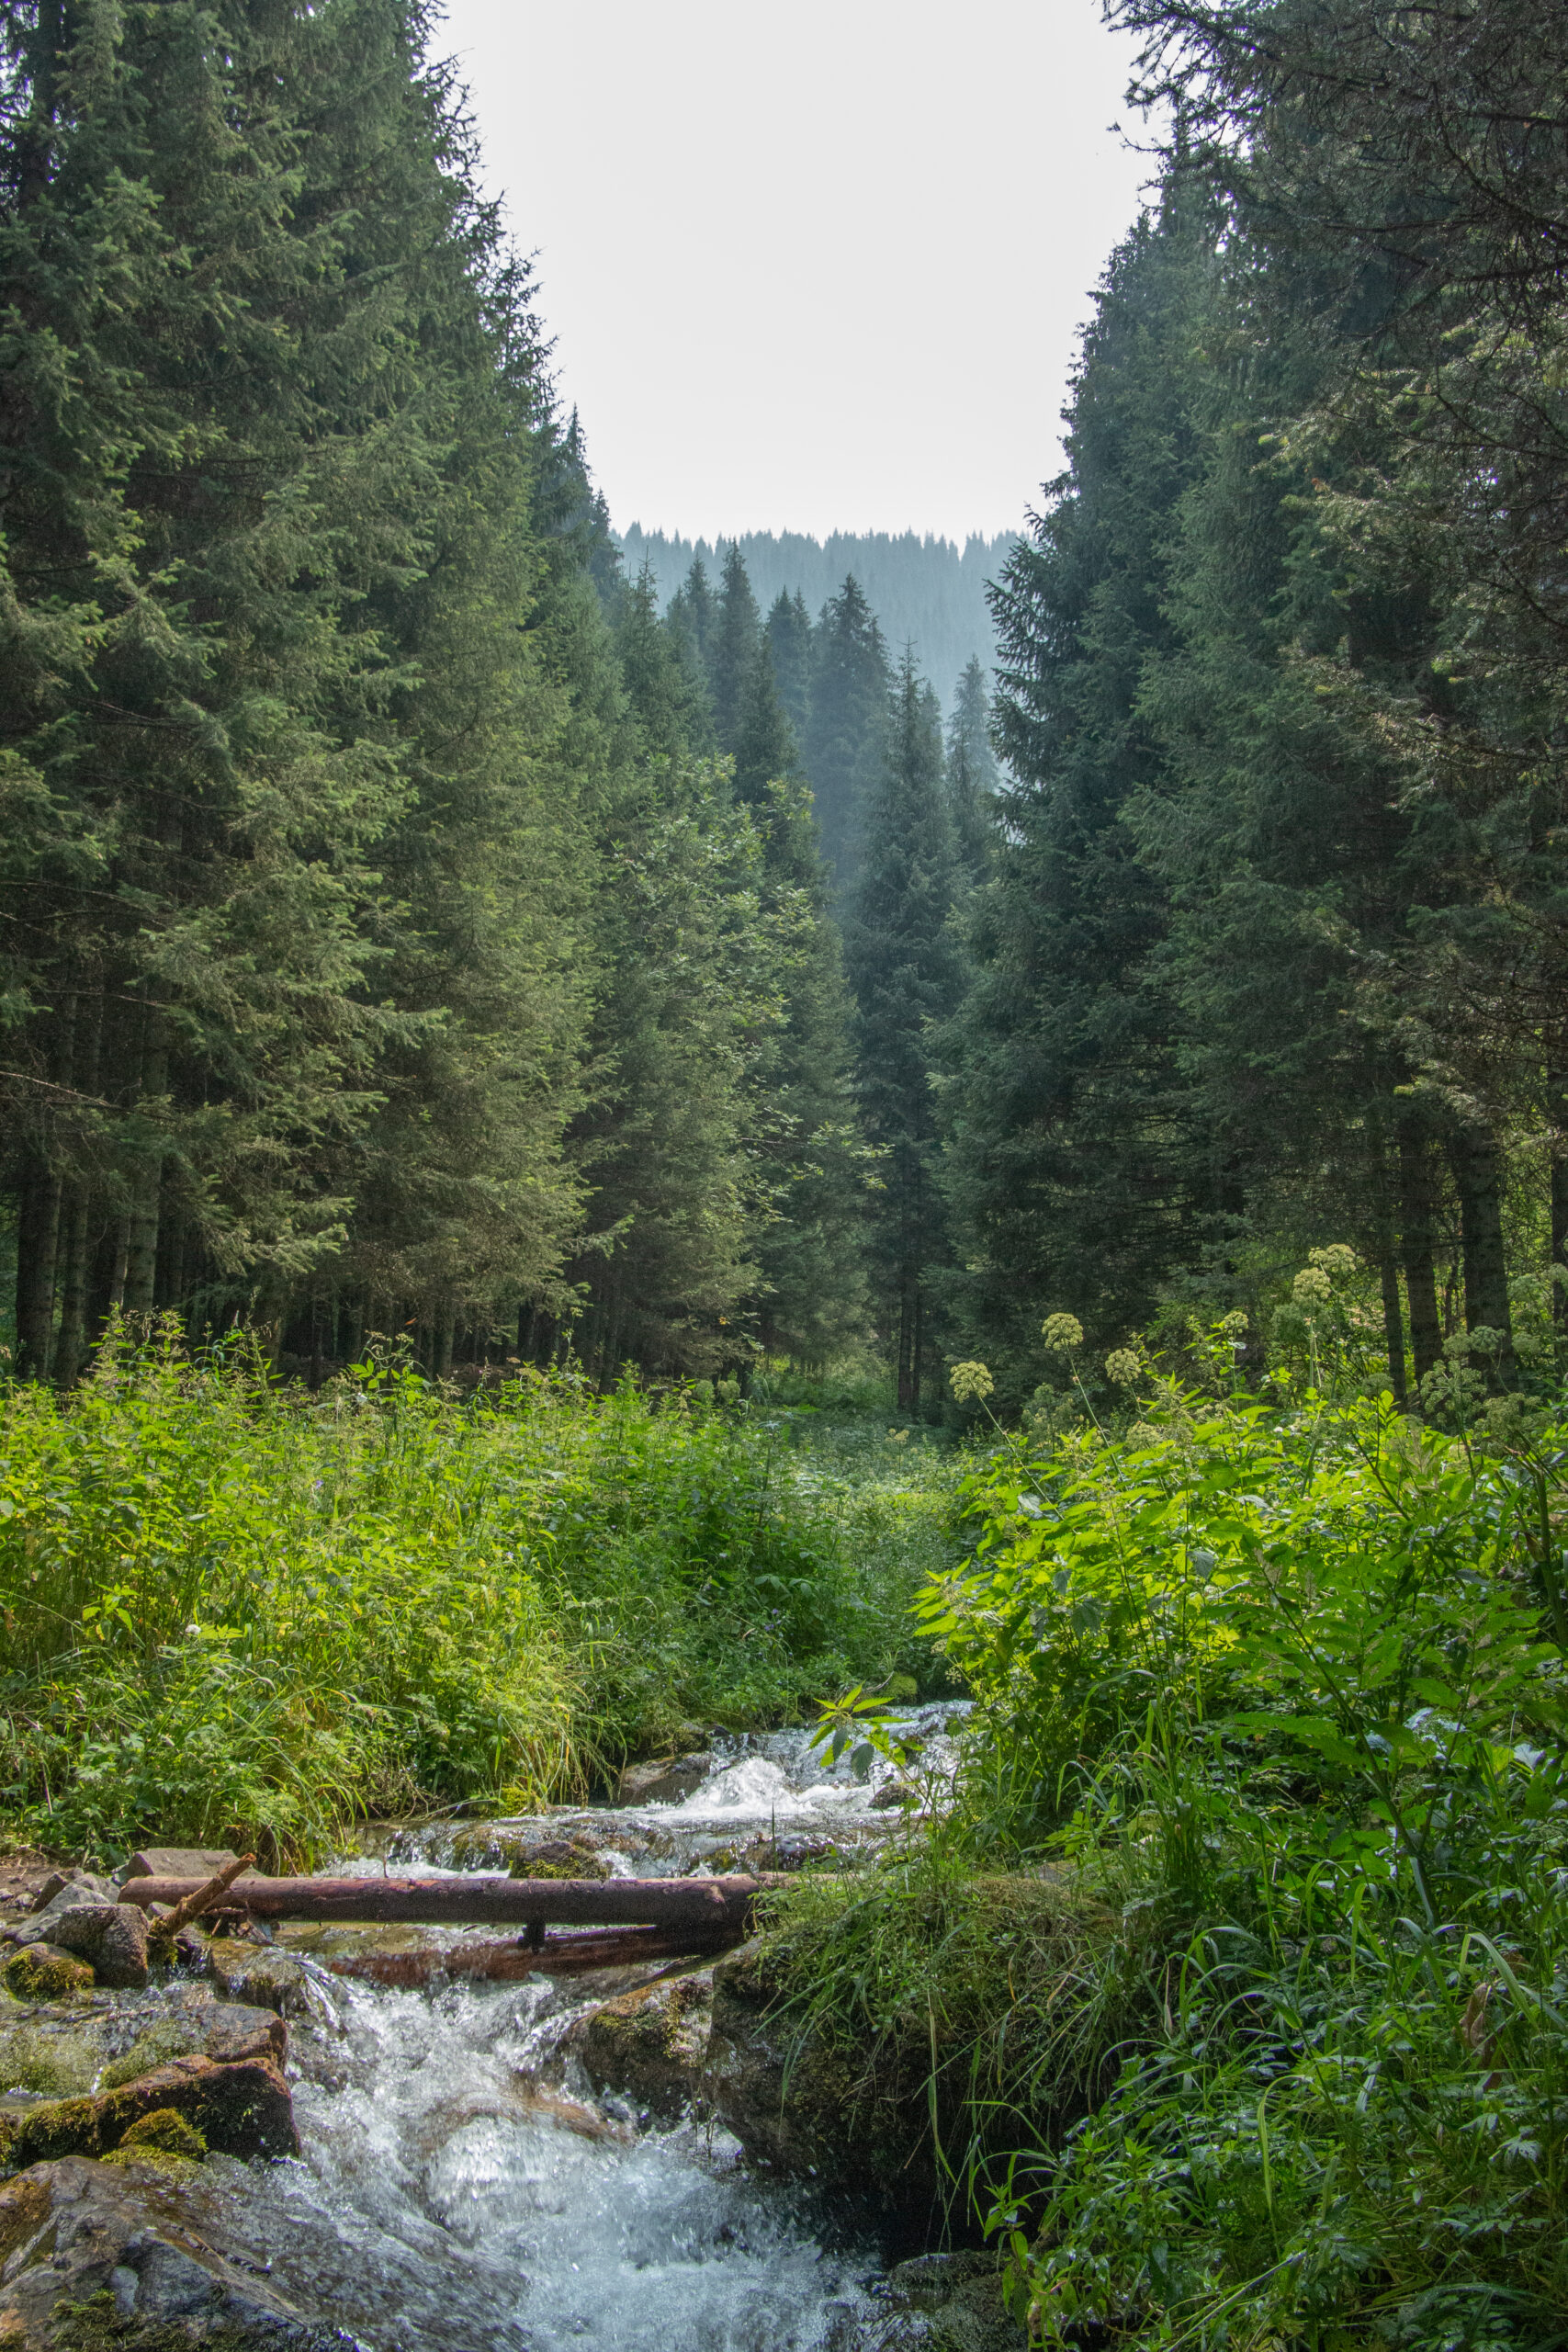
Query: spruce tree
{"points": [[972, 775], [789, 627], [731, 650], [906, 974], [843, 743]]}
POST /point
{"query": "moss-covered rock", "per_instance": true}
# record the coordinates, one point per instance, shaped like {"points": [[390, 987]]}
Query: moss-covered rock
{"points": [[650, 2044], [243, 2109], [112, 1936], [258, 1975], [164, 2138], [944, 2303], [44, 1972]]}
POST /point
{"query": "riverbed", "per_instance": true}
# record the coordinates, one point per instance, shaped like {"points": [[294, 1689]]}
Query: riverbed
{"points": [[465, 2188]]}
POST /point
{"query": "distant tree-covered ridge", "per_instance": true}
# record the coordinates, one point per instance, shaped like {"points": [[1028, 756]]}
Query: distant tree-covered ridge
{"points": [[927, 592]]}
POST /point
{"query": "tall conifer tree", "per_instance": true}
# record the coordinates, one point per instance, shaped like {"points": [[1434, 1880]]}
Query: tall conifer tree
{"points": [[905, 974]]}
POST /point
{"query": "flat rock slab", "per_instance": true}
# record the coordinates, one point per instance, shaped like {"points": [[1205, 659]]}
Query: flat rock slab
{"points": [[126, 2244], [240, 2108], [199, 1862]]}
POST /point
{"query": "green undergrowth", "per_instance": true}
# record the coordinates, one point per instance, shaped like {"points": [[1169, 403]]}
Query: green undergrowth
{"points": [[232, 1609], [1272, 1689]]}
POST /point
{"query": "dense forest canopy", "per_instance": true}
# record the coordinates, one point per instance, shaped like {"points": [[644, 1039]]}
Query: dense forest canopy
{"points": [[421, 910]]}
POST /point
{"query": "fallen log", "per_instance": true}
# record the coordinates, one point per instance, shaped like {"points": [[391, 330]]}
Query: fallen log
{"points": [[718, 1906], [517, 1958]]}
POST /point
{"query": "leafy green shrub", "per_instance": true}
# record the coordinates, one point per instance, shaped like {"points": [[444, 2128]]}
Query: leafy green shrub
{"points": [[1291, 1678]]}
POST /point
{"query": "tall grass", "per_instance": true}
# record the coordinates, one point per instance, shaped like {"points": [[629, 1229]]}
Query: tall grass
{"points": [[232, 1609]]}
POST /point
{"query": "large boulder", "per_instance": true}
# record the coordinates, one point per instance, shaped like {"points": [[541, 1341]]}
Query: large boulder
{"points": [[121, 2250], [650, 2044], [241, 2107], [111, 1936]]}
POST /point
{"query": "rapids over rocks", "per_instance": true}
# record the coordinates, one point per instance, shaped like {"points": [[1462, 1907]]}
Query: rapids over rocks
{"points": [[480, 2171]]}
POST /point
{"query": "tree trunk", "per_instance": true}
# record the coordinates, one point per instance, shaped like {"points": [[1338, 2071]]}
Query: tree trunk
{"points": [[38, 1229], [906, 1337], [1478, 1175], [70, 1346], [1415, 1248], [1557, 1102], [1393, 1328]]}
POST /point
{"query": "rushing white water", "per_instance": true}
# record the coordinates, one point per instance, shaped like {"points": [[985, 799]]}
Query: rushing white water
{"points": [[463, 2190], [455, 2198]]}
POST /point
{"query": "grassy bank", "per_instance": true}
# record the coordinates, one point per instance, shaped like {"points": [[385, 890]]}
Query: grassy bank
{"points": [[235, 1609], [1271, 1711]]}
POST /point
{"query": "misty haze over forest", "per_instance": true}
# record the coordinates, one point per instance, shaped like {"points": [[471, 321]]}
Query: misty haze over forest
{"points": [[926, 592]]}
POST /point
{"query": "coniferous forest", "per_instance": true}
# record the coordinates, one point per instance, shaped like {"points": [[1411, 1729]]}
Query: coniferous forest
{"points": [[385, 859], [520, 1058]]}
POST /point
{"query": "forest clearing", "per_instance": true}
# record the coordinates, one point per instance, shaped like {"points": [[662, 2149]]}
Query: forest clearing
{"points": [[783, 1445]]}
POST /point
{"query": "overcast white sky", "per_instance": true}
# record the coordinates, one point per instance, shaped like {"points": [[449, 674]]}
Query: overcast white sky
{"points": [[808, 268]]}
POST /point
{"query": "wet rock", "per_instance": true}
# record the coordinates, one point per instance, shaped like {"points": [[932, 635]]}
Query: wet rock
{"points": [[560, 1858], [799, 2106], [229, 2034], [944, 2303], [112, 1936], [243, 2109], [892, 1794], [45, 1973], [651, 2043], [103, 2041], [92, 2255], [664, 1779], [255, 1973]]}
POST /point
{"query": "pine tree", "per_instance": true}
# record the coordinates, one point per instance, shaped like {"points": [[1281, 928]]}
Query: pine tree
{"points": [[1074, 1168], [299, 354], [906, 974]]}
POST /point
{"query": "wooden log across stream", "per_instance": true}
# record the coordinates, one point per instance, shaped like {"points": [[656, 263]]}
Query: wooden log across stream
{"points": [[713, 1910]]}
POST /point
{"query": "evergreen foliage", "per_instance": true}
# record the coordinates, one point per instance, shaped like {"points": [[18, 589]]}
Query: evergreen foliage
{"points": [[905, 972]]}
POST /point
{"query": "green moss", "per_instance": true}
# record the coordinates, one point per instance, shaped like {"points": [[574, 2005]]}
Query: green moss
{"points": [[169, 2039], [166, 2131], [39, 1974]]}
